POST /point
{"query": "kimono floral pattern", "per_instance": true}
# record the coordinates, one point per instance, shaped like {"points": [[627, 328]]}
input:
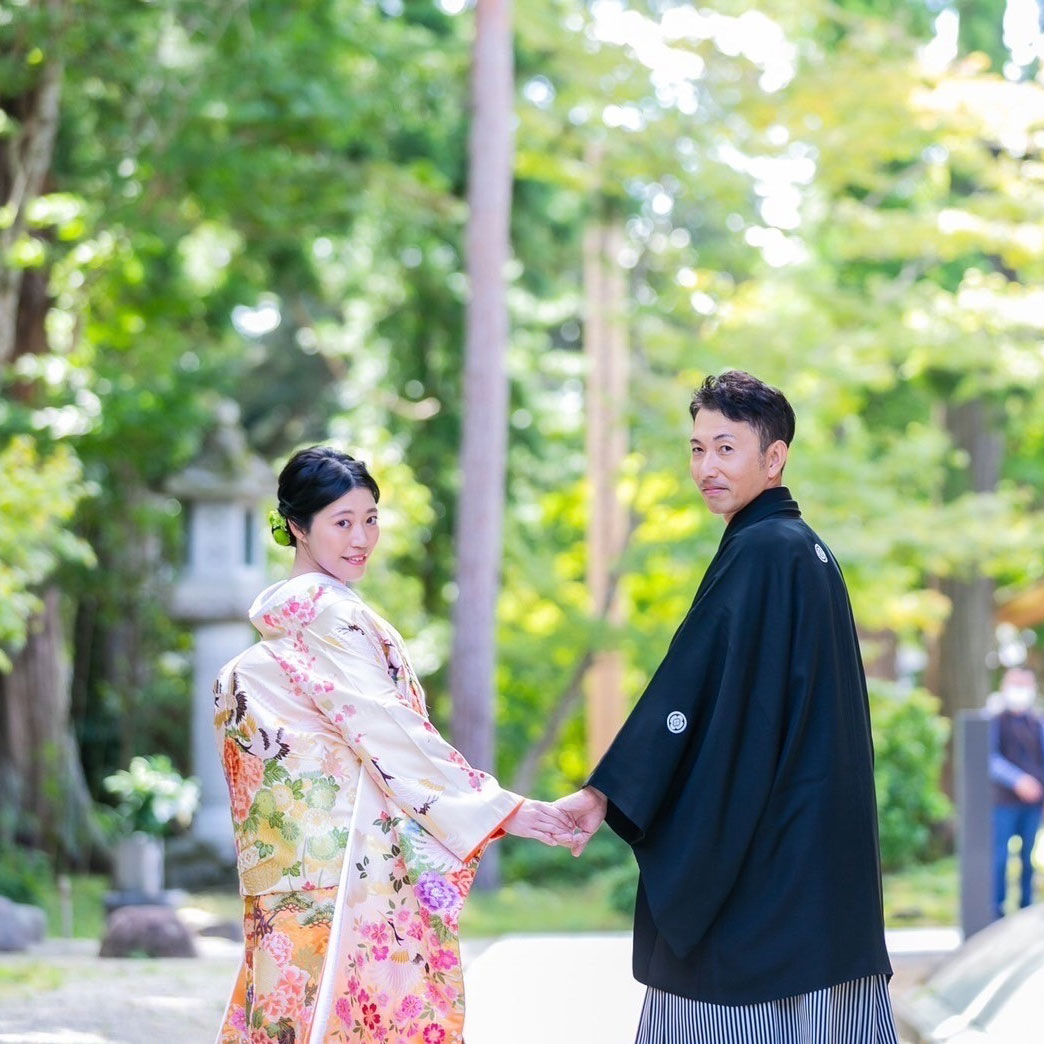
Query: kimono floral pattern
{"points": [[287, 935], [358, 830]]}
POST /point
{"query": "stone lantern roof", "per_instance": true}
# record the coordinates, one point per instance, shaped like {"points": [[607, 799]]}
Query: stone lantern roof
{"points": [[226, 468], [225, 536]]}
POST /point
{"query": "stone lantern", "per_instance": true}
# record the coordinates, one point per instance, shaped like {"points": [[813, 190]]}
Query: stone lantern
{"points": [[224, 569]]}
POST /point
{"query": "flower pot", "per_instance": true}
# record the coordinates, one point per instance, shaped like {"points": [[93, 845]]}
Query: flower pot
{"points": [[139, 864]]}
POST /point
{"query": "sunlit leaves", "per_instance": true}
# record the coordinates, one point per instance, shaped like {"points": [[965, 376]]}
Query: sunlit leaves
{"points": [[39, 492]]}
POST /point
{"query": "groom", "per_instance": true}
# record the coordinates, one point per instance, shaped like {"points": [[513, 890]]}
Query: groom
{"points": [[743, 779]]}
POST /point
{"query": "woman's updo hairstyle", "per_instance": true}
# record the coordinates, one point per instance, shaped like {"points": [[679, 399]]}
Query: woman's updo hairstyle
{"points": [[313, 478]]}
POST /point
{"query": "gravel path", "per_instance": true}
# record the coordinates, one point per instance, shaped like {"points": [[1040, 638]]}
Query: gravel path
{"points": [[116, 1000]]}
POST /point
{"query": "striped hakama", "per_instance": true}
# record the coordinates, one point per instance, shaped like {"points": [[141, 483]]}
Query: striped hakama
{"points": [[856, 1012]]}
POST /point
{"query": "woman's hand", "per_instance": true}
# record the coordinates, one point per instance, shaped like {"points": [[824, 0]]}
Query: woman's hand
{"points": [[540, 821]]}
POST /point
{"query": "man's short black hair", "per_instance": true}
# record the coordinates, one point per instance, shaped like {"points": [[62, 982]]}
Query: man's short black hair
{"points": [[742, 397]]}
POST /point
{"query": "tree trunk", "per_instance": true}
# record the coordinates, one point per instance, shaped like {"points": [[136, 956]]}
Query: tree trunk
{"points": [[879, 650], [43, 786], [961, 674], [25, 161], [968, 636], [483, 452], [605, 343], [964, 680]]}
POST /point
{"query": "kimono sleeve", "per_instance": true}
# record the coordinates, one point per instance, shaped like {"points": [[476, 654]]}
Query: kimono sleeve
{"points": [[638, 773], [404, 753], [693, 798]]}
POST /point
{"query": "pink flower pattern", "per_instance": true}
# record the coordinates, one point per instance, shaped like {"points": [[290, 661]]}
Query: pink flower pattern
{"points": [[287, 1000], [443, 960], [280, 947], [410, 1007], [398, 977]]}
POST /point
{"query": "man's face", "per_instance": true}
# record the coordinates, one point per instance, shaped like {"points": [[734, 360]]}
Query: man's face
{"points": [[728, 465], [1019, 688]]}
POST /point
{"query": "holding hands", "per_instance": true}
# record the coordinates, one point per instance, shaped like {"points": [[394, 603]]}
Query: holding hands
{"points": [[586, 810], [539, 820], [570, 821]]}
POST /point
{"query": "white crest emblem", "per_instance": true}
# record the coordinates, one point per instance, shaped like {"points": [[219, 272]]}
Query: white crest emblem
{"points": [[676, 722], [822, 554]]}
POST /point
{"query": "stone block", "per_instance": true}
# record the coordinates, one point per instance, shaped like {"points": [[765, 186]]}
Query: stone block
{"points": [[232, 930], [149, 931], [13, 935], [34, 921]]}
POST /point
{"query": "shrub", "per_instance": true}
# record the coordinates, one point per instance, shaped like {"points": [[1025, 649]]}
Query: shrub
{"points": [[25, 874], [910, 745], [522, 860], [622, 887]]}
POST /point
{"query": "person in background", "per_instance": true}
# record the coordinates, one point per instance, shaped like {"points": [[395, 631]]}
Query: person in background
{"points": [[1017, 774]]}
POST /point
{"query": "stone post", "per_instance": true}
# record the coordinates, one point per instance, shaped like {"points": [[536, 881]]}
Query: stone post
{"points": [[974, 820]]}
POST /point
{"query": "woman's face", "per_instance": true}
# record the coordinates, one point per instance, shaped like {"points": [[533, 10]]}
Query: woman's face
{"points": [[342, 536]]}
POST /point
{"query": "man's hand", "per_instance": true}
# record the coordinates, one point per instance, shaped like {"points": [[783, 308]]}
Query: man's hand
{"points": [[586, 811], [1028, 789], [540, 821]]}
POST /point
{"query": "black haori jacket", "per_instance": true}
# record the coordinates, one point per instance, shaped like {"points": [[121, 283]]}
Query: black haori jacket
{"points": [[743, 779]]}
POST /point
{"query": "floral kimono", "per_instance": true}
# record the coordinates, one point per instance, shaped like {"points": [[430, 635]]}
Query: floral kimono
{"points": [[358, 829]]}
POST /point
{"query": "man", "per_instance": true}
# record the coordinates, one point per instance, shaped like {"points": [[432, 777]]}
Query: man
{"points": [[743, 779], [1017, 772]]}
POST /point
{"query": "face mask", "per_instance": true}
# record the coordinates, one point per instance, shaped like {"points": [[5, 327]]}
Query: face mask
{"points": [[1020, 697]]}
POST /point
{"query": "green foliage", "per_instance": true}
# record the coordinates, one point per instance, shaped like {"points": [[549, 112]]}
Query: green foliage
{"points": [[910, 745], [30, 979], [85, 903], [622, 888], [39, 492], [25, 874], [561, 907], [922, 894], [539, 865], [152, 796]]}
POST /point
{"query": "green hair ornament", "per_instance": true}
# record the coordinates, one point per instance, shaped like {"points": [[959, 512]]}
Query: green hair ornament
{"points": [[280, 528]]}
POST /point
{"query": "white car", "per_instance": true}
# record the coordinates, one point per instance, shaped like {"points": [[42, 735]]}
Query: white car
{"points": [[991, 991]]}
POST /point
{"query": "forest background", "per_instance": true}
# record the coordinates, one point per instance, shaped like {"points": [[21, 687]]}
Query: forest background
{"points": [[266, 203]]}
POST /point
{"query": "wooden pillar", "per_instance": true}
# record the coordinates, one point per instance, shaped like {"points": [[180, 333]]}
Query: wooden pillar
{"points": [[606, 347]]}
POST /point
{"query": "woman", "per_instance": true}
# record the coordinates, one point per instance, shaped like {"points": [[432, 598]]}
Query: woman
{"points": [[358, 828]]}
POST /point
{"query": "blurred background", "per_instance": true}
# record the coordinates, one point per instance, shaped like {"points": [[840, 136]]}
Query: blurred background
{"points": [[232, 228]]}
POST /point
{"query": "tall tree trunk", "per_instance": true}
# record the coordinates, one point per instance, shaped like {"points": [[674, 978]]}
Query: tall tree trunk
{"points": [[484, 436], [43, 789], [968, 635], [605, 343], [25, 161], [962, 677]]}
